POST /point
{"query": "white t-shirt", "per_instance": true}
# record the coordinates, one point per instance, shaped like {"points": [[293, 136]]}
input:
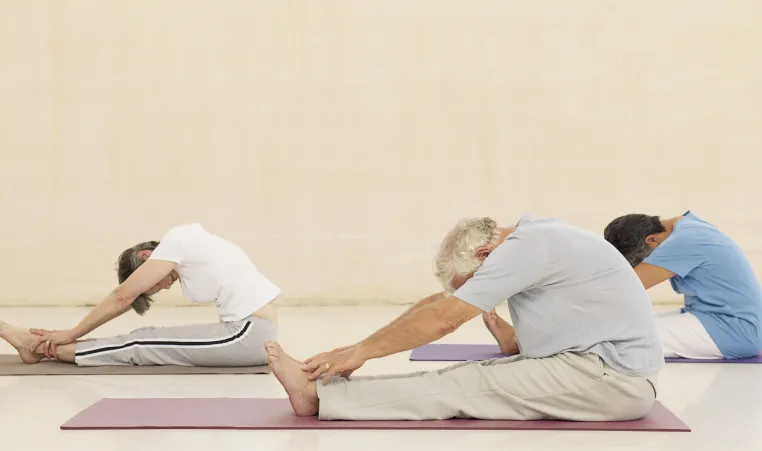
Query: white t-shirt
{"points": [[212, 269]]}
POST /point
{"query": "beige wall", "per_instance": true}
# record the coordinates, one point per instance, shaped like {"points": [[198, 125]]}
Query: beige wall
{"points": [[337, 141]]}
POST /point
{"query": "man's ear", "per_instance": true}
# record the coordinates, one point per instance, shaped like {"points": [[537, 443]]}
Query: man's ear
{"points": [[652, 241], [483, 252], [144, 254]]}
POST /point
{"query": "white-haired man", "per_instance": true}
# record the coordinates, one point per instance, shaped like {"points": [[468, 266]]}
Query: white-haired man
{"points": [[583, 324]]}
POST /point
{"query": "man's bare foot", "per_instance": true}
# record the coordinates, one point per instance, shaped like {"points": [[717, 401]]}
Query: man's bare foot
{"points": [[502, 331], [301, 391], [21, 339]]}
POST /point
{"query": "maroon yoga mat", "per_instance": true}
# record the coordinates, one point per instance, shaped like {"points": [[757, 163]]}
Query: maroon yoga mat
{"points": [[273, 413], [461, 353]]}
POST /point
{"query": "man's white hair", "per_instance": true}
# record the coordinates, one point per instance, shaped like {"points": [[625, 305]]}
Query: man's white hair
{"points": [[457, 253]]}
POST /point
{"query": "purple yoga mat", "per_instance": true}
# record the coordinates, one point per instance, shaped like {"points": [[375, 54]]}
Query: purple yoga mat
{"points": [[456, 353], [462, 353], [273, 413]]}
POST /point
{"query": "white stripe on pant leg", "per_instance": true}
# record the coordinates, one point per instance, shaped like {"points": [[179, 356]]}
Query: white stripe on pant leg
{"points": [[195, 343]]}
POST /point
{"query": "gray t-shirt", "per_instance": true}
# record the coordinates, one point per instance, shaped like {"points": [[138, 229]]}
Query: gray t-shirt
{"points": [[569, 291]]}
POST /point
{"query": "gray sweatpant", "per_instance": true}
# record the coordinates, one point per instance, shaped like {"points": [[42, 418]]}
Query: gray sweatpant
{"points": [[565, 386], [237, 343]]}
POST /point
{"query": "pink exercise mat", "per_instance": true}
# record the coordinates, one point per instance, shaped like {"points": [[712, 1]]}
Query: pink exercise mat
{"points": [[439, 352], [273, 413]]}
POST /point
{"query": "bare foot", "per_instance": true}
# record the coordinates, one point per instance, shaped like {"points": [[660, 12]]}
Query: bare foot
{"points": [[502, 331], [21, 339], [301, 391]]}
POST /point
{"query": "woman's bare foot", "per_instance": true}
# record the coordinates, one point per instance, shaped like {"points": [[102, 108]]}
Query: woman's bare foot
{"points": [[301, 391], [21, 339], [502, 331]]}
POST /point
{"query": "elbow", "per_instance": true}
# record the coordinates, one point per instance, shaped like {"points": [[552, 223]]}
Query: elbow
{"points": [[121, 298]]}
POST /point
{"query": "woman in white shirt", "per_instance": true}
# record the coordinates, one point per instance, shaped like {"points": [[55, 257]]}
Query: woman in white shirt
{"points": [[210, 269]]}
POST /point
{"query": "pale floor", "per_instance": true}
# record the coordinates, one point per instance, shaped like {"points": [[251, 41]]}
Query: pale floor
{"points": [[722, 403]]}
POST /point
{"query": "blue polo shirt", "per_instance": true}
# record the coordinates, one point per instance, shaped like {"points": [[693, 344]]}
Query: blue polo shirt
{"points": [[718, 283]]}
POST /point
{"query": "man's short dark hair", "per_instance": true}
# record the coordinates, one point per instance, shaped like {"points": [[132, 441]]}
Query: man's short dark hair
{"points": [[628, 234]]}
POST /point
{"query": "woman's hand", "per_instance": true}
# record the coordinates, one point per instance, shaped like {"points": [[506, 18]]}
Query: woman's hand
{"points": [[50, 339]]}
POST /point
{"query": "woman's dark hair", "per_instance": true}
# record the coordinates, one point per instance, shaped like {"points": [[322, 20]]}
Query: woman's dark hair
{"points": [[128, 262], [628, 234]]}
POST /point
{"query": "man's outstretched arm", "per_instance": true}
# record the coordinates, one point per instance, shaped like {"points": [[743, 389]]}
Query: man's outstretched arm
{"points": [[438, 316], [441, 315]]}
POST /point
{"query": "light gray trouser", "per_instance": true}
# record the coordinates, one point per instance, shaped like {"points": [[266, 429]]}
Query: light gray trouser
{"points": [[237, 343], [565, 386]]}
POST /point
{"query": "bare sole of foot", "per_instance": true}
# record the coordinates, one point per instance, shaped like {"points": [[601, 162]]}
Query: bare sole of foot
{"points": [[22, 340], [301, 391], [501, 331]]}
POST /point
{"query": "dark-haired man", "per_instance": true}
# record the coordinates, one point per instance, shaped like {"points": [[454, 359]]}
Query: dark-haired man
{"points": [[723, 299]]}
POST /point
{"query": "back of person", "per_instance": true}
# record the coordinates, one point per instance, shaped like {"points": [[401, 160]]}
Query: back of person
{"points": [[587, 299], [718, 283], [213, 269]]}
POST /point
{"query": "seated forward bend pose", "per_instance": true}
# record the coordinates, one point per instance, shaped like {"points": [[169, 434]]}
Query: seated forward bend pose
{"points": [[210, 269], [583, 323], [723, 299]]}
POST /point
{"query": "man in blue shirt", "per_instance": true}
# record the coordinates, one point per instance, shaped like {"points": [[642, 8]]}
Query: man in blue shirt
{"points": [[723, 299]]}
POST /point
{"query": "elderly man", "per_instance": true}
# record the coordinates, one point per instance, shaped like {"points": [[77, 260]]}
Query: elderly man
{"points": [[723, 299], [583, 323]]}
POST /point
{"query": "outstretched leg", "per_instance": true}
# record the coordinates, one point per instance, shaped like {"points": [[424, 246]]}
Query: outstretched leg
{"points": [[301, 391], [502, 331], [22, 340], [224, 344], [561, 387], [683, 335]]}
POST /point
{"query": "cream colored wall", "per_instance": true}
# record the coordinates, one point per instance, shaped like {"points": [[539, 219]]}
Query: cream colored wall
{"points": [[337, 141]]}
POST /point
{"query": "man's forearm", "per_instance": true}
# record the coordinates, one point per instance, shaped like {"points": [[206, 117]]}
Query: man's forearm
{"points": [[439, 316], [415, 308], [422, 303], [416, 328]]}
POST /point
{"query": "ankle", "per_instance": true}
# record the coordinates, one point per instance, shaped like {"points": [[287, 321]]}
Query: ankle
{"points": [[311, 390], [509, 346]]}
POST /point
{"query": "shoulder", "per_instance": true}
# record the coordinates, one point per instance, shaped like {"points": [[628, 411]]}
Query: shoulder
{"points": [[680, 241], [692, 230], [691, 222], [523, 244]]}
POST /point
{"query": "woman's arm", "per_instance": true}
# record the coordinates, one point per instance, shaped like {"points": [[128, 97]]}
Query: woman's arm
{"points": [[146, 277]]}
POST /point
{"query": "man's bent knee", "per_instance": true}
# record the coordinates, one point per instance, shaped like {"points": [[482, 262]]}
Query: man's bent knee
{"points": [[636, 402]]}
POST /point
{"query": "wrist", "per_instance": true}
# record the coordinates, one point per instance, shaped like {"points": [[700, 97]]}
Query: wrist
{"points": [[78, 332], [365, 351]]}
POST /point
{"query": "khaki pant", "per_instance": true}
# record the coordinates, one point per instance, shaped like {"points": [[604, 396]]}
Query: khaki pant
{"points": [[565, 386]]}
